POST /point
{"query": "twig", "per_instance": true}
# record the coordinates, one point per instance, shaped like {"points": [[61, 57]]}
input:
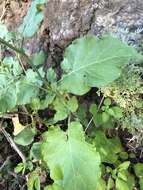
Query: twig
{"points": [[5, 162], [12, 143], [97, 112]]}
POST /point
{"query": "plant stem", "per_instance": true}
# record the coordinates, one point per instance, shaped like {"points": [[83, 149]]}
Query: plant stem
{"points": [[21, 52], [97, 112], [12, 143]]}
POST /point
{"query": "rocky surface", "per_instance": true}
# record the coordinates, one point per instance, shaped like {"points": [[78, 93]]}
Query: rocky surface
{"points": [[66, 20]]}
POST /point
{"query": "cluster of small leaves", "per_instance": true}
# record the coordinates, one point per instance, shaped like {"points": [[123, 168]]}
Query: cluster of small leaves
{"points": [[127, 92]]}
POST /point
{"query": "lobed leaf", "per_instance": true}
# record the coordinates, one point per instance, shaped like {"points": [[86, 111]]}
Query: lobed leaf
{"points": [[73, 163], [92, 62]]}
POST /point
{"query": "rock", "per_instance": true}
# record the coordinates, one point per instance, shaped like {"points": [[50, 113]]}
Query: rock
{"points": [[66, 20]]}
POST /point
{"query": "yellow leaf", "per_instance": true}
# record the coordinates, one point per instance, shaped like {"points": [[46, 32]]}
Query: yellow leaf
{"points": [[18, 127]]}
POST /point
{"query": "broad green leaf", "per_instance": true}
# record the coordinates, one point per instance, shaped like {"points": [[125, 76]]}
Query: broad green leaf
{"points": [[25, 137], [73, 163], [138, 168], [92, 62], [32, 20]]}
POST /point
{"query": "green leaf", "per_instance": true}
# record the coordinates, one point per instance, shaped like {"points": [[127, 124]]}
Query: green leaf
{"points": [[8, 99], [101, 185], [13, 64], [72, 104], [63, 107], [93, 109], [110, 184], [52, 187], [107, 102], [118, 112], [124, 166], [108, 148], [127, 184], [73, 163], [82, 114], [38, 58], [25, 137], [9, 74], [33, 181], [51, 75], [121, 184], [19, 168], [124, 155], [32, 20], [39, 104], [28, 87], [123, 175], [138, 168], [92, 62], [97, 117], [141, 183], [105, 117], [35, 151]]}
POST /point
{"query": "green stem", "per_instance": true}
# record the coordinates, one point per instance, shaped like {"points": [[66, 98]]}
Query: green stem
{"points": [[21, 52]]}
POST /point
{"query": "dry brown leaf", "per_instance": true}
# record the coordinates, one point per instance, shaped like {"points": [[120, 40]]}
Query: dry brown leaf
{"points": [[18, 127]]}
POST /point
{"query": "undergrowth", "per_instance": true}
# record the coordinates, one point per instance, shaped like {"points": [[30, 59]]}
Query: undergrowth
{"points": [[64, 144]]}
